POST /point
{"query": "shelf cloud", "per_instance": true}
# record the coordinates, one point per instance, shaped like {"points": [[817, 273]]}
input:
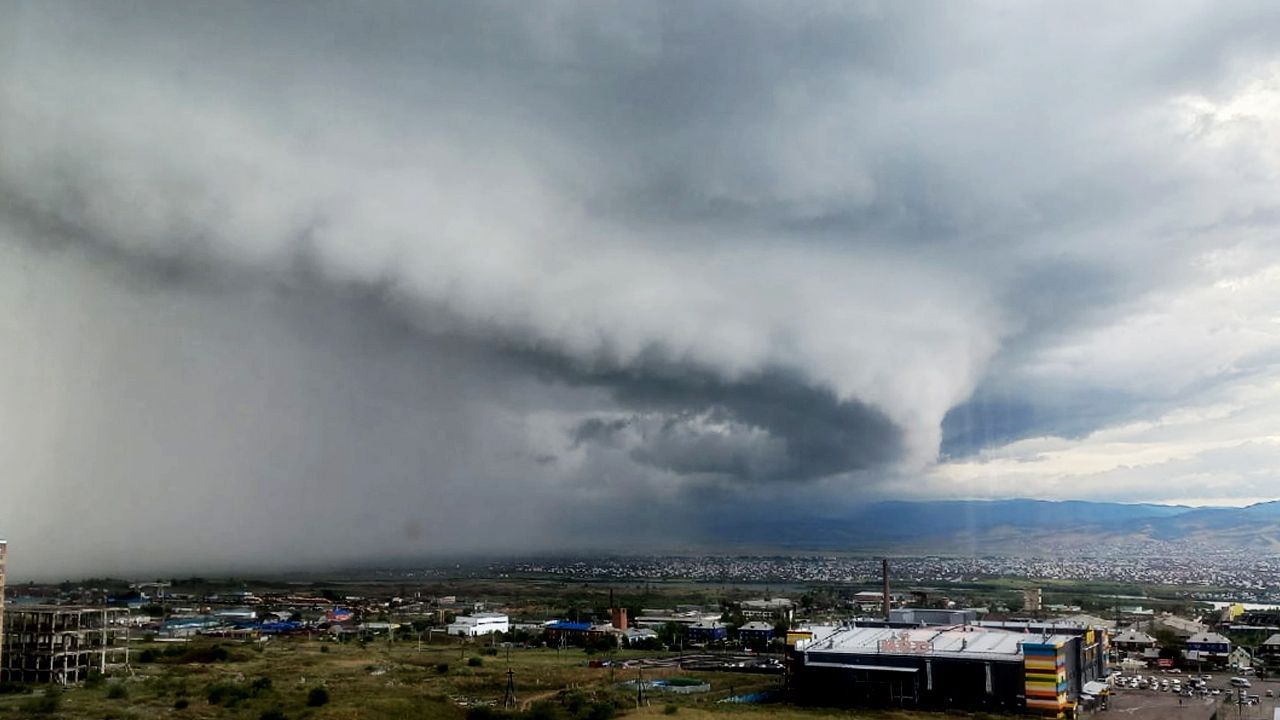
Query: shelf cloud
{"points": [[317, 271]]}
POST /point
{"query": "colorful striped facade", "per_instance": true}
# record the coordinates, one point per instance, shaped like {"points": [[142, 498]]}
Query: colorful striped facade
{"points": [[1045, 665]]}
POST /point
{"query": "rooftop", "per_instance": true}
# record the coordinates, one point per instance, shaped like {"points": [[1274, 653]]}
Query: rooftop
{"points": [[956, 641], [1208, 637], [1133, 635]]}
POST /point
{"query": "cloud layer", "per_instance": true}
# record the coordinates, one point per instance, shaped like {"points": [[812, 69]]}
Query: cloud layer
{"points": [[585, 255]]}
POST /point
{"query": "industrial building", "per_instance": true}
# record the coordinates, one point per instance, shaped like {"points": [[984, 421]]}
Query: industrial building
{"points": [[62, 644], [479, 624], [959, 667]]}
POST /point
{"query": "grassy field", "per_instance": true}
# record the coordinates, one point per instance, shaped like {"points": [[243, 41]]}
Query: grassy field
{"points": [[376, 680]]}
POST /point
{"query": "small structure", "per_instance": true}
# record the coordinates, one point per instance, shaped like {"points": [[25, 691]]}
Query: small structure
{"points": [[62, 644], [932, 616], [1240, 658], [479, 624], [1032, 600]]}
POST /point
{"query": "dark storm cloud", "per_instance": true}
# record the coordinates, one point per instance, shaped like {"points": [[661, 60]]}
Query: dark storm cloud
{"points": [[607, 251], [769, 427]]}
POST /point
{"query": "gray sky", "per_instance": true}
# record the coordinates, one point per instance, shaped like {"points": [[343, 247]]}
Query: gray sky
{"points": [[310, 282]]}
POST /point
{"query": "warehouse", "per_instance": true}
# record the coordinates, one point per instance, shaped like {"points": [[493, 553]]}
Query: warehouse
{"points": [[479, 624], [960, 667]]}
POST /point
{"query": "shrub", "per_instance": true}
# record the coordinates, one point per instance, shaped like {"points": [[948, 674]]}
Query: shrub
{"points": [[475, 661], [544, 710], [272, 714], [482, 712], [442, 668], [181, 704], [601, 711], [490, 651], [670, 709], [45, 704], [8, 688], [117, 691], [317, 697], [324, 648], [147, 656], [261, 685], [226, 694]]}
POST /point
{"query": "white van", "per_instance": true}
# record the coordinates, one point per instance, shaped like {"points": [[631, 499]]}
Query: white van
{"points": [[1240, 682]]}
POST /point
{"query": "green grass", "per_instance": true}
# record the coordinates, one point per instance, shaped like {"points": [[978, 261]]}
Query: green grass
{"points": [[285, 678]]}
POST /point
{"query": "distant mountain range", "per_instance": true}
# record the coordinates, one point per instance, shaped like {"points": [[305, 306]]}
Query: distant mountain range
{"points": [[1004, 527]]}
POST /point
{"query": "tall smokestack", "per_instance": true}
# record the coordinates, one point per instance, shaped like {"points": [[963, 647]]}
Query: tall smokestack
{"points": [[884, 570]]}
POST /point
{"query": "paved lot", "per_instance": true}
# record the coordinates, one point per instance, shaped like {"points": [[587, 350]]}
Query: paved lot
{"points": [[1156, 705]]}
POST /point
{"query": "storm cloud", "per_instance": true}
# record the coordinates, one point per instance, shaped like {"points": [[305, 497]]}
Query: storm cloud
{"points": [[328, 266]]}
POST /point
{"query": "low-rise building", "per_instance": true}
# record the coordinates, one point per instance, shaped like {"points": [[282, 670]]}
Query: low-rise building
{"points": [[654, 618], [708, 631], [766, 609], [1208, 647], [479, 624], [755, 633], [568, 632], [1134, 640], [1269, 650], [639, 636]]}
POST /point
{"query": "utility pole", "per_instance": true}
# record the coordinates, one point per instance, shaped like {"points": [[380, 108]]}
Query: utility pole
{"points": [[639, 687], [509, 700]]}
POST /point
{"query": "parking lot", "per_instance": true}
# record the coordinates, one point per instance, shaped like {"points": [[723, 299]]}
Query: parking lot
{"points": [[1157, 704]]}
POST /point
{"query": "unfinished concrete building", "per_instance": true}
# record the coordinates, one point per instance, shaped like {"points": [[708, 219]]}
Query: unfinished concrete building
{"points": [[57, 644], [4, 553]]}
